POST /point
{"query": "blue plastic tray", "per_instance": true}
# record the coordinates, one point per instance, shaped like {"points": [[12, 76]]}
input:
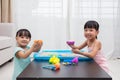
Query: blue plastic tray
{"points": [[46, 54]]}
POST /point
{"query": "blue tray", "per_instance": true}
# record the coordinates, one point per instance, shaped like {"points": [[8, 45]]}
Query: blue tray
{"points": [[62, 54], [59, 51]]}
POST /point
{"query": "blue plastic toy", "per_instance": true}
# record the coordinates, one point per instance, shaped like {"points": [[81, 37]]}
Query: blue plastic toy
{"points": [[51, 67], [70, 62]]}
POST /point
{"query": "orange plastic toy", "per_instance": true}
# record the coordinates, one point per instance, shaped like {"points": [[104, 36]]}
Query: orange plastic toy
{"points": [[57, 65], [38, 41]]}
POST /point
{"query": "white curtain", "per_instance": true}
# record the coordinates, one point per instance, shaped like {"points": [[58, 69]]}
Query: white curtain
{"points": [[116, 53], [103, 11], [56, 21], [46, 19]]}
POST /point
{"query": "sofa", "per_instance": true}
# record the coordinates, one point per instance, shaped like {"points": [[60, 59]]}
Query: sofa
{"points": [[7, 42]]}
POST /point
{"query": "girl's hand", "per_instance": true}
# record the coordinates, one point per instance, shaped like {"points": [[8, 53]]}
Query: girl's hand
{"points": [[72, 46], [37, 45]]}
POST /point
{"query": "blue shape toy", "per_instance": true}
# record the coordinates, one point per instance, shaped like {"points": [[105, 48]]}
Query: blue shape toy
{"points": [[51, 67], [70, 62]]}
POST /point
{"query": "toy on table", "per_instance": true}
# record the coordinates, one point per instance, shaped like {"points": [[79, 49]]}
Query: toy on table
{"points": [[75, 60], [57, 66], [67, 62], [53, 67], [56, 63], [70, 42], [71, 62], [54, 59]]}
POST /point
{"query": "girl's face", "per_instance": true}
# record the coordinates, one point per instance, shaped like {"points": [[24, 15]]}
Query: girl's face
{"points": [[90, 33], [22, 41]]}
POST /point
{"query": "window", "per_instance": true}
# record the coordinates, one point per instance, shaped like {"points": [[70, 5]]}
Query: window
{"points": [[49, 8], [95, 8], [82, 8]]}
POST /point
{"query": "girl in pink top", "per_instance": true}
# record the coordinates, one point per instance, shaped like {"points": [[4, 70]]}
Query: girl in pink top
{"points": [[91, 30]]}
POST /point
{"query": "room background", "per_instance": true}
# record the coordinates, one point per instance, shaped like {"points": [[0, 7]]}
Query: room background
{"points": [[56, 21]]}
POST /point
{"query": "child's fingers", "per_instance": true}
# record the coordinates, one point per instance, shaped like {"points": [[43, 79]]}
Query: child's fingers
{"points": [[36, 48], [37, 45]]}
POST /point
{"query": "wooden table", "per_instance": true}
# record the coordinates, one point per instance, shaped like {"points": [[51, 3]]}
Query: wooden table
{"points": [[85, 70]]}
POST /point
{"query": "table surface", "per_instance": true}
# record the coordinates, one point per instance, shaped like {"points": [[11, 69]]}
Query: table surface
{"points": [[85, 70]]}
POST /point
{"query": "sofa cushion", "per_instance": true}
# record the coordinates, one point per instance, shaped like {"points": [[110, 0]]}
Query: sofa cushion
{"points": [[5, 42]]}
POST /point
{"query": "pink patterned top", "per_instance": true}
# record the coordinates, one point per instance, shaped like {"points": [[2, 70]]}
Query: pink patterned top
{"points": [[100, 59]]}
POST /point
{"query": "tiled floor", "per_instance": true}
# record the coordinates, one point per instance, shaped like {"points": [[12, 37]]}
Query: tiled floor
{"points": [[7, 70]]}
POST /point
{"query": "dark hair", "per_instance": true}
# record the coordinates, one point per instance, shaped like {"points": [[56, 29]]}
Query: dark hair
{"points": [[92, 24], [23, 32]]}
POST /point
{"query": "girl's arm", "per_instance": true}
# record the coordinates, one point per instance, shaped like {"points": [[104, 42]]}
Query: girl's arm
{"points": [[84, 44], [21, 54], [91, 54], [35, 47]]}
